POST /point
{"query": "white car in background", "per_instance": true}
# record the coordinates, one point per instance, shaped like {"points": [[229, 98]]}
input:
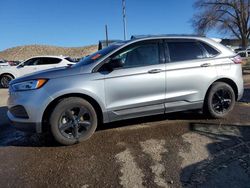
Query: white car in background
{"points": [[244, 53], [34, 64], [3, 63]]}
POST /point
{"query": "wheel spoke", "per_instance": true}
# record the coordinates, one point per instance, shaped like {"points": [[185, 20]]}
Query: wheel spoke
{"points": [[69, 114], [224, 94], [217, 95], [227, 100], [65, 126], [216, 105], [75, 132], [81, 112], [85, 124]]}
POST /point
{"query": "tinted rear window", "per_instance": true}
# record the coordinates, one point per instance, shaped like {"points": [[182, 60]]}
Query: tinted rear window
{"points": [[48, 61], [183, 51], [210, 50]]}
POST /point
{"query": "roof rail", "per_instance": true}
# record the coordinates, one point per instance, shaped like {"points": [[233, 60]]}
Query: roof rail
{"points": [[165, 35]]}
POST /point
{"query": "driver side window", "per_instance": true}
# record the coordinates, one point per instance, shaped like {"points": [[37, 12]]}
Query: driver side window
{"points": [[31, 62], [139, 55]]}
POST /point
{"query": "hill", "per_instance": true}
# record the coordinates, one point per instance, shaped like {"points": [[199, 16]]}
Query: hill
{"points": [[25, 52]]}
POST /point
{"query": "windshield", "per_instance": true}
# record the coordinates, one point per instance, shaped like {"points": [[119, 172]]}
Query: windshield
{"points": [[98, 55]]}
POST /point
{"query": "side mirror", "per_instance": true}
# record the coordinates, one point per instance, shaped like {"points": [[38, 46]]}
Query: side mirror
{"points": [[115, 63], [111, 64]]}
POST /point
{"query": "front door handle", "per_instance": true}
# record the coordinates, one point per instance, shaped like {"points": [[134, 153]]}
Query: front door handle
{"points": [[205, 65], [154, 71]]}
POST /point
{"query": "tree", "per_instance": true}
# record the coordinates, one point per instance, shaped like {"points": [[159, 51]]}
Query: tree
{"points": [[227, 16]]}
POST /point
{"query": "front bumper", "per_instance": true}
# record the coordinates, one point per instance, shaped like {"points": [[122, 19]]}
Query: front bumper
{"points": [[24, 126], [34, 103]]}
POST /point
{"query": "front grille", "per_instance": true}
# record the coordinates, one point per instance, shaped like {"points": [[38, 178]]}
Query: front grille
{"points": [[19, 112]]}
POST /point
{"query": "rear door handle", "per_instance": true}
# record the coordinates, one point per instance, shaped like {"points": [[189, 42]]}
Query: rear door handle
{"points": [[205, 65], [154, 71]]}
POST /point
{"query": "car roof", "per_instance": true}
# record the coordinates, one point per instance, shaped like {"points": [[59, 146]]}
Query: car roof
{"points": [[135, 38], [50, 56], [166, 36]]}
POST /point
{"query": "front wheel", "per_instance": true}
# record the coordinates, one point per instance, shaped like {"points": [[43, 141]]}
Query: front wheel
{"points": [[5, 80], [73, 120], [220, 100]]}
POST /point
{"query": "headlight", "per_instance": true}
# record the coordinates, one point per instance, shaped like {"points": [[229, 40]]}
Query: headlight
{"points": [[29, 85]]}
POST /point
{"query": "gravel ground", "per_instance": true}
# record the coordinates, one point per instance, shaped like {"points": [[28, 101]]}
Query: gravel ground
{"points": [[175, 150]]}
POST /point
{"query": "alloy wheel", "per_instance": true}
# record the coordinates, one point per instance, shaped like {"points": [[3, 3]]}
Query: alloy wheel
{"points": [[5, 81], [221, 101], [75, 122]]}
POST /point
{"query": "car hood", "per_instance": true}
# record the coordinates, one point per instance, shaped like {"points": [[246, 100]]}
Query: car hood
{"points": [[51, 73]]}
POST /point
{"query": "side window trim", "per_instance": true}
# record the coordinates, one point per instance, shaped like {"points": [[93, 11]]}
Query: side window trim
{"points": [[166, 52], [204, 51], [162, 54]]}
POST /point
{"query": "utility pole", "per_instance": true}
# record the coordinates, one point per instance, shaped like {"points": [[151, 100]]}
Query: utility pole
{"points": [[124, 20], [106, 32]]}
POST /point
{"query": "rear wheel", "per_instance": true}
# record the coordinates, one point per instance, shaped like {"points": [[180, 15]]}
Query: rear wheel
{"points": [[5, 79], [220, 100], [73, 120]]}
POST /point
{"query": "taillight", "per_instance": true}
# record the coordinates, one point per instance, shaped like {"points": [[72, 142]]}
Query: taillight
{"points": [[237, 60]]}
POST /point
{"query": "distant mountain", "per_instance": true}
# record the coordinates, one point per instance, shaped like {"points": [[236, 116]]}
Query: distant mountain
{"points": [[24, 52]]}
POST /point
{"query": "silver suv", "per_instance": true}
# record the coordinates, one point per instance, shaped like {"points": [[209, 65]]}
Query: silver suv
{"points": [[141, 77]]}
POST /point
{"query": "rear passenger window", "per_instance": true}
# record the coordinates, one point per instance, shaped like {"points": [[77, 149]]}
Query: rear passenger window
{"points": [[182, 51], [210, 50], [49, 61]]}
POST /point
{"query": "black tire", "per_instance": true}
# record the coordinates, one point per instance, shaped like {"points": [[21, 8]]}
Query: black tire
{"points": [[73, 120], [220, 100], [5, 79]]}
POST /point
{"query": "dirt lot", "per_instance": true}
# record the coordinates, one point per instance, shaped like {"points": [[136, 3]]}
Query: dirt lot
{"points": [[175, 150]]}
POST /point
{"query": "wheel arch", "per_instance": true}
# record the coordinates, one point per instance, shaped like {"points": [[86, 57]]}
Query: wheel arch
{"points": [[227, 81], [7, 73], [52, 104]]}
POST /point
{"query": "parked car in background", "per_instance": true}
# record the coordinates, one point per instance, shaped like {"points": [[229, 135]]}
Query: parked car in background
{"points": [[14, 63], [3, 63], [135, 78], [244, 53], [31, 65]]}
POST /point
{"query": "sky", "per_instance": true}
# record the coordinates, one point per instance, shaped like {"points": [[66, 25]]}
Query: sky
{"points": [[73, 23]]}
